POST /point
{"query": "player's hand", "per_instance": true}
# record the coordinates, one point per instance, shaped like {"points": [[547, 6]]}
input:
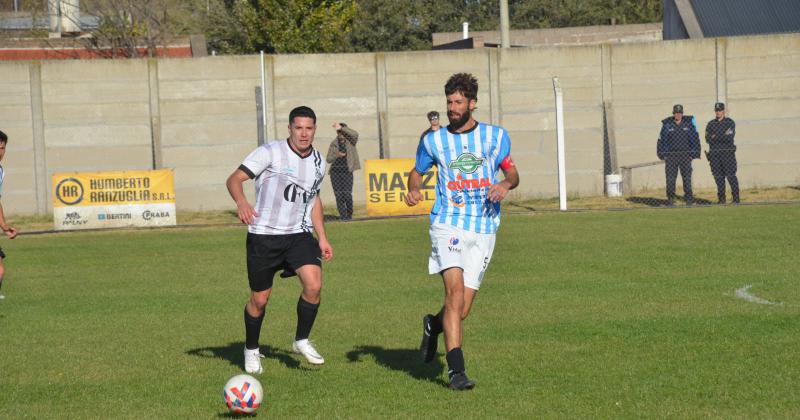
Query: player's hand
{"points": [[341, 154], [497, 192], [326, 249], [247, 213], [11, 233], [413, 197]]}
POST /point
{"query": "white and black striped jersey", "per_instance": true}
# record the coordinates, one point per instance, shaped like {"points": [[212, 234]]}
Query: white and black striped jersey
{"points": [[2, 178], [286, 187]]}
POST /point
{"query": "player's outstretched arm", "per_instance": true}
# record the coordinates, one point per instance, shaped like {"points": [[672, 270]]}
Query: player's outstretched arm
{"points": [[318, 220], [498, 192], [413, 197], [246, 212], [10, 231]]}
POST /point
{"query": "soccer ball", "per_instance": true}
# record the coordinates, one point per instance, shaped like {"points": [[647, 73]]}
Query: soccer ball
{"points": [[243, 394]]}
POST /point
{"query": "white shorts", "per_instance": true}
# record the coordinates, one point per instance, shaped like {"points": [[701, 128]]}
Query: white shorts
{"points": [[455, 247]]}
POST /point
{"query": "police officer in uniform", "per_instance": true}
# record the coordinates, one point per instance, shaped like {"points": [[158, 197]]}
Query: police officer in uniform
{"points": [[678, 144], [722, 152]]}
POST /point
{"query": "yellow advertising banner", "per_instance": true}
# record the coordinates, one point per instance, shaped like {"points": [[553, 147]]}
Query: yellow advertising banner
{"points": [[87, 200], [386, 187], [113, 188]]}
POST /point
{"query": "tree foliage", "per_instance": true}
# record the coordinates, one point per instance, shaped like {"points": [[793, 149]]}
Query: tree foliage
{"points": [[280, 26], [317, 26]]}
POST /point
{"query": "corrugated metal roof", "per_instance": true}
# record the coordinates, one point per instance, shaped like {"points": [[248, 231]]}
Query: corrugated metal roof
{"points": [[747, 17], [719, 18]]}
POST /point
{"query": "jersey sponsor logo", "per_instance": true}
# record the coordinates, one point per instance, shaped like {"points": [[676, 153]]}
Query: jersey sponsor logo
{"points": [[466, 163], [461, 184], [294, 193], [457, 200]]}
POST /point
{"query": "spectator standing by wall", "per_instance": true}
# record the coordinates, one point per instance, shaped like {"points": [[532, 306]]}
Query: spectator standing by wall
{"points": [[722, 152], [343, 158], [678, 144], [433, 119]]}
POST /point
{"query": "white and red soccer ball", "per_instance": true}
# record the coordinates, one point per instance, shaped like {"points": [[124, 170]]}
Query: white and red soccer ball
{"points": [[243, 394]]}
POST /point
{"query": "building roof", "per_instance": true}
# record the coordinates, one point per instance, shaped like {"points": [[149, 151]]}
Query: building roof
{"points": [[732, 17]]}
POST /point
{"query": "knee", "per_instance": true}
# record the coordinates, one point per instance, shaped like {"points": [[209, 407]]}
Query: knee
{"points": [[312, 291], [455, 301], [2, 271], [259, 301]]}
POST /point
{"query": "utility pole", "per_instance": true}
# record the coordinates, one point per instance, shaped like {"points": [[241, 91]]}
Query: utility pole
{"points": [[505, 40]]}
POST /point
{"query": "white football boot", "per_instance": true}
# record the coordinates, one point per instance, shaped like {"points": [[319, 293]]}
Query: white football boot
{"points": [[252, 361], [307, 349]]}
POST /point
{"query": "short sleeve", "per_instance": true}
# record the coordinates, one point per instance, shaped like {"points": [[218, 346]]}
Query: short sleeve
{"points": [[505, 148], [257, 161], [424, 158]]}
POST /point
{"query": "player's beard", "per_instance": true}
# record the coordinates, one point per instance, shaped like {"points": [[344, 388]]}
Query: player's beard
{"points": [[455, 125]]}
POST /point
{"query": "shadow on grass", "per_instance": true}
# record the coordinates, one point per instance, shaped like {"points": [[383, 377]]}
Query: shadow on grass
{"points": [[404, 360], [229, 415], [660, 202], [234, 354]]}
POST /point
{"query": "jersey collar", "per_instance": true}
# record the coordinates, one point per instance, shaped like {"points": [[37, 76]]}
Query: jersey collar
{"points": [[310, 151], [465, 132]]}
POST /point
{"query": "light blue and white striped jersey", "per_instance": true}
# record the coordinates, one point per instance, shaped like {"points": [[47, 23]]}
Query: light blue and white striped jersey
{"points": [[468, 165]]}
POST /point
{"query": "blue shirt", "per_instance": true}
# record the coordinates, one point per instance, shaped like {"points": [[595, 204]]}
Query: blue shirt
{"points": [[468, 165]]}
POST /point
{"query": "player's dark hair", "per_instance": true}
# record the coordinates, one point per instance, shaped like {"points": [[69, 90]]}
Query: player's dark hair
{"points": [[464, 83], [302, 111], [3, 137]]}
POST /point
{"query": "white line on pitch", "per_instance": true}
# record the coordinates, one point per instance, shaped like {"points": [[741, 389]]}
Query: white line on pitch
{"points": [[745, 294]]}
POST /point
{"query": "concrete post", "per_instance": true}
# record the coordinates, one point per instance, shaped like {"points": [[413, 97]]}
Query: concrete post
{"points": [[155, 114], [383, 107], [605, 68], [39, 151], [494, 83], [505, 39], [722, 73], [269, 104]]}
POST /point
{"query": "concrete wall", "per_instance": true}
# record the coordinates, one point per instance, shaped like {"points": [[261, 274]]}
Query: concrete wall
{"points": [[198, 116], [582, 35]]}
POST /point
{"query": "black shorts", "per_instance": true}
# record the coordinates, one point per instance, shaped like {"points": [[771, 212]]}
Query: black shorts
{"points": [[266, 254], [2, 254]]}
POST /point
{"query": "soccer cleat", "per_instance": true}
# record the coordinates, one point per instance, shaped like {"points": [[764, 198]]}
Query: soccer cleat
{"points": [[460, 382], [2, 296], [252, 361], [308, 351], [430, 340]]}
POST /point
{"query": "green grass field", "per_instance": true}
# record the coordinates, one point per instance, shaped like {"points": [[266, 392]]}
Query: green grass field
{"points": [[627, 314]]}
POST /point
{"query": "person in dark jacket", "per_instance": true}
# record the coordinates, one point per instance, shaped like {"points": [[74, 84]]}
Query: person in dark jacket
{"points": [[433, 118], [343, 158], [722, 152], [678, 144]]}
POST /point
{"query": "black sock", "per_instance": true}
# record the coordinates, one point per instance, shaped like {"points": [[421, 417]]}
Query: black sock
{"points": [[252, 329], [436, 322], [306, 314], [455, 361]]}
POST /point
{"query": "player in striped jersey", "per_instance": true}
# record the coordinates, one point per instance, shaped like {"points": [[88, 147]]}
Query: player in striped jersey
{"points": [[8, 230], [465, 216], [288, 175]]}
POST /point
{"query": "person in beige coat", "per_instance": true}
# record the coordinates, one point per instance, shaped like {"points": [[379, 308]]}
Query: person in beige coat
{"points": [[343, 159]]}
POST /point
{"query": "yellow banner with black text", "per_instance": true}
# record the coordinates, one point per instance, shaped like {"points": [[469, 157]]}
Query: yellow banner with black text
{"points": [[90, 200], [386, 187]]}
